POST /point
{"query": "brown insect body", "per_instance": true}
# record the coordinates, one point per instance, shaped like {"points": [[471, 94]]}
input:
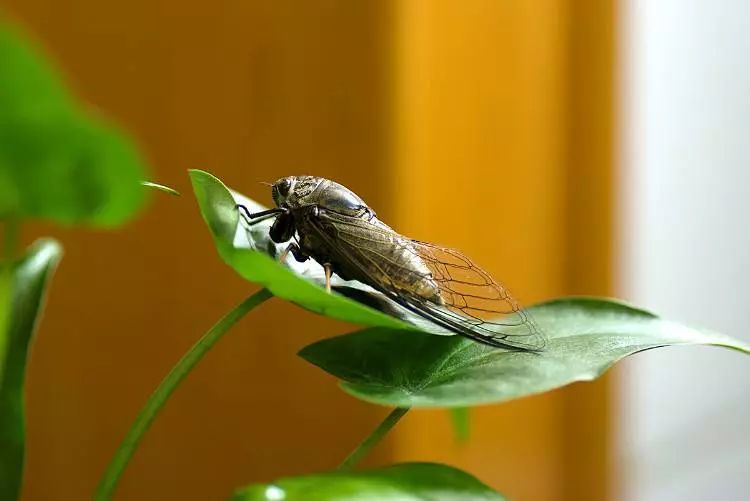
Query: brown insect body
{"points": [[310, 199], [324, 220]]}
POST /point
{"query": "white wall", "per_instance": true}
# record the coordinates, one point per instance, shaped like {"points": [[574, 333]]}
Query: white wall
{"points": [[685, 244]]}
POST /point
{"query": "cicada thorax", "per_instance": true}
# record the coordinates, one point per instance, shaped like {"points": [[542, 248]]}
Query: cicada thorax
{"points": [[325, 194]]}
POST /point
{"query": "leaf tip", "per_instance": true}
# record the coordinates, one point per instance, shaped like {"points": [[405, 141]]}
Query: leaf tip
{"points": [[48, 249], [160, 187]]}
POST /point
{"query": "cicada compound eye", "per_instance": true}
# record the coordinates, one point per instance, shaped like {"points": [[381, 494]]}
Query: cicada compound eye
{"points": [[280, 190], [283, 186]]}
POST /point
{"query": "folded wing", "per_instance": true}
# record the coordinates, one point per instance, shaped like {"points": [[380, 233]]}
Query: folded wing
{"points": [[467, 300]]}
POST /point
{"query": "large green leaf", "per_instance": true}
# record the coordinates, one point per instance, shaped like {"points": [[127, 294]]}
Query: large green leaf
{"points": [[58, 162], [29, 84], [586, 337], [28, 283], [409, 481], [252, 254]]}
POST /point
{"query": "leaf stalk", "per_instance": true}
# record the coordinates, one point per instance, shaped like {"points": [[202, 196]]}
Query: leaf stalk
{"points": [[162, 393], [373, 438]]}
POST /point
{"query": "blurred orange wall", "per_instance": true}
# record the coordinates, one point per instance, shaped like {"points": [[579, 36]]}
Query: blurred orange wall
{"points": [[503, 114], [470, 124], [480, 165]]}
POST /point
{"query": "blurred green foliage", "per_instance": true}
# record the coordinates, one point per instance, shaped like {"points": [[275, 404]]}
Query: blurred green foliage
{"points": [[57, 161]]}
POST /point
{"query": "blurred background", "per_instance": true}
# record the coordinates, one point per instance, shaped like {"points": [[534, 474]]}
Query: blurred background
{"points": [[571, 147]]}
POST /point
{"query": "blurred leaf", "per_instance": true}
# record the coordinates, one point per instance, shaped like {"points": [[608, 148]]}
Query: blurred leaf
{"points": [[30, 278], [248, 253], [398, 482], [586, 337], [29, 84], [56, 162], [461, 418]]}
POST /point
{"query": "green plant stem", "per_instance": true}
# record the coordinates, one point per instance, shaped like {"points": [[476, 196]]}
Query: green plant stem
{"points": [[373, 438], [9, 247], [164, 390], [461, 424]]}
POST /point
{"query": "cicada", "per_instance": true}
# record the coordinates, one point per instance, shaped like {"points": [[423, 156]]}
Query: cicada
{"points": [[325, 221]]}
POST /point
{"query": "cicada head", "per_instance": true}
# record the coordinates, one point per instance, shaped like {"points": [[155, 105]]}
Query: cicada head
{"points": [[280, 189], [292, 191]]}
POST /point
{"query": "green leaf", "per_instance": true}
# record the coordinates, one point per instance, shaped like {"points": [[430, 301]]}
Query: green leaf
{"points": [[58, 162], [254, 256], [398, 482], [586, 337], [28, 283]]}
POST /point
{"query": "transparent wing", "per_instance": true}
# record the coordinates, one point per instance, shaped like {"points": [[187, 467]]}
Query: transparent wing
{"points": [[468, 300]]}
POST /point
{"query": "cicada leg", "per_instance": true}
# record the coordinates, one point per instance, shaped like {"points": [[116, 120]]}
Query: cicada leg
{"points": [[285, 253], [296, 252], [327, 268], [251, 218]]}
